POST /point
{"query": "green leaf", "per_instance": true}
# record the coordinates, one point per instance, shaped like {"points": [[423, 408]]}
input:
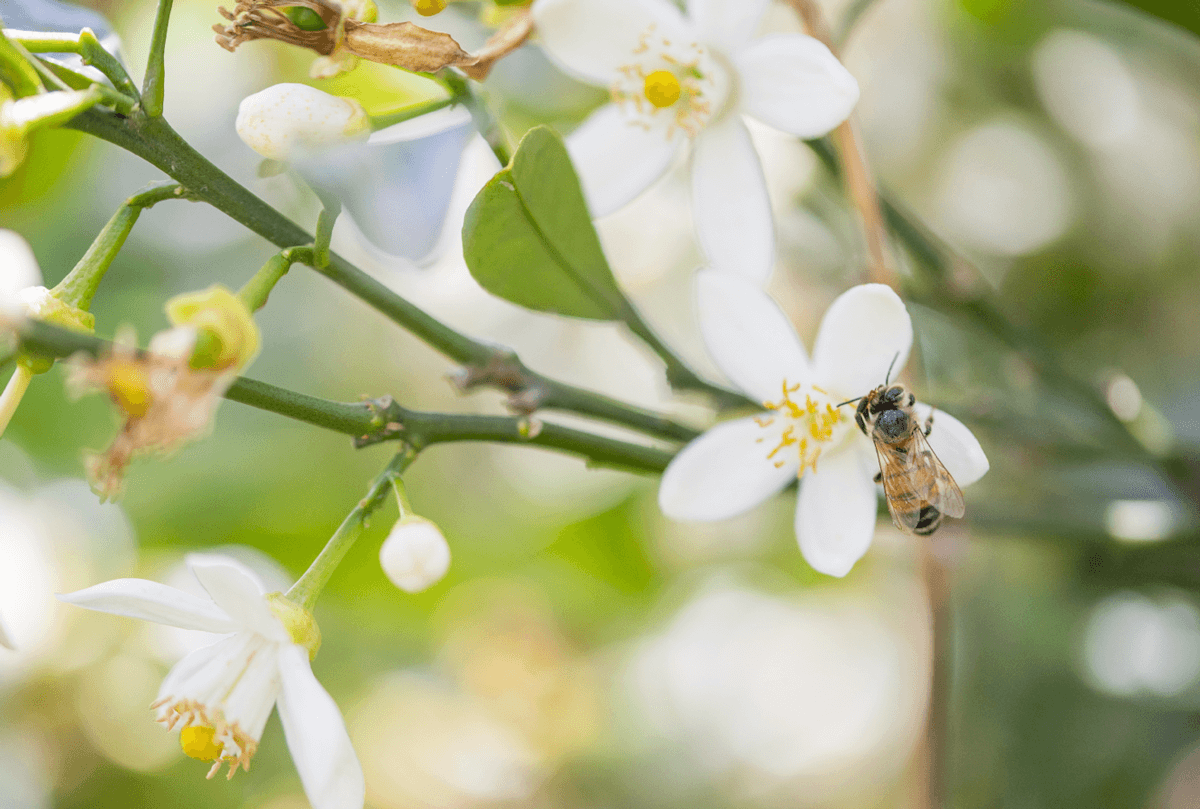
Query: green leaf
{"points": [[528, 236]]}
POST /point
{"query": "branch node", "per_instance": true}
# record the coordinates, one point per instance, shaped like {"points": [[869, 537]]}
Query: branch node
{"points": [[504, 370]]}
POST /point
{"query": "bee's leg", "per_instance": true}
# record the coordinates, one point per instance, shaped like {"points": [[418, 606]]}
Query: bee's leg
{"points": [[879, 477], [929, 424]]}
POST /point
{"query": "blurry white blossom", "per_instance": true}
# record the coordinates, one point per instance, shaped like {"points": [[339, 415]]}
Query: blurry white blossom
{"points": [[675, 78], [1134, 645], [738, 464]]}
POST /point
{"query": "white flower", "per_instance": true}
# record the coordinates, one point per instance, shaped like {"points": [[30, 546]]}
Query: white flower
{"points": [[222, 694], [738, 464], [415, 554], [286, 119], [20, 276], [675, 78], [396, 187]]}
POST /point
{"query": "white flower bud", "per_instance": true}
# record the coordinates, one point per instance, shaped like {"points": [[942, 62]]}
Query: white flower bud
{"points": [[286, 118], [415, 555]]}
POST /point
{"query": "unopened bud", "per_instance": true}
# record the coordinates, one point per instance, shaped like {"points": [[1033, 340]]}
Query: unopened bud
{"points": [[287, 118], [415, 555], [427, 8]]}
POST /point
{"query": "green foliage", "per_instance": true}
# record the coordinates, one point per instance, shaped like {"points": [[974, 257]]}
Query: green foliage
{"points": [[528, 236]]}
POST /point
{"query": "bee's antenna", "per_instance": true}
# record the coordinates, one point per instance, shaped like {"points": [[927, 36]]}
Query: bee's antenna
{"points": [[888, 378], [848, 401]]}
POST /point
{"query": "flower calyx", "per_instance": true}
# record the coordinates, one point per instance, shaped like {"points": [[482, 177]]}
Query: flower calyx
{"points": [[300, 624], [226, 336]]}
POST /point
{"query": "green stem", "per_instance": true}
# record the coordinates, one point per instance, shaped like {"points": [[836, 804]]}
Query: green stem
{"points": [[383, 419], [89, 49], [154, 82], [330, 208], [77, 81], [402, 502], [15, 69], [408, 113], [462, 91], [155, 142], [81, 283], [309, 586], [256, 291]]}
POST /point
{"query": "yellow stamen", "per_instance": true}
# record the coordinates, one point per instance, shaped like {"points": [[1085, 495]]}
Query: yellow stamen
{"points": [[129, 387], [198, 742], [662, 88]]}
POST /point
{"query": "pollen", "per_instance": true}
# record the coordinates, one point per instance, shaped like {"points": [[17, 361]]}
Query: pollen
{"points": [[808, 425], [129, 387], [662, 88], [198, 742], [427, 8]]}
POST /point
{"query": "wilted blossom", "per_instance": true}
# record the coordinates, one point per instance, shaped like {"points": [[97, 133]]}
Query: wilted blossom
{"points": [[677, 78], [168, 394], [802, 432]]}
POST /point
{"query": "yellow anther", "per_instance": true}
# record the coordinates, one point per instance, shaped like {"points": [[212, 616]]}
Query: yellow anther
{"points": [[662, 88], [810, 405], [198, 742], [129, 387], [427, 8]]}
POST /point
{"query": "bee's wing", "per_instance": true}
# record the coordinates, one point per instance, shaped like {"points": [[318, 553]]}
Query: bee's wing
{"points": [[942, 491], [895, 471]]}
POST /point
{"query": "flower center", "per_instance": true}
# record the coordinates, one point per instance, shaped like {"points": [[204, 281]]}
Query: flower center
{"points": [[198, 742], [129, 387], [670, 85], [805, 420], [662, 88]]}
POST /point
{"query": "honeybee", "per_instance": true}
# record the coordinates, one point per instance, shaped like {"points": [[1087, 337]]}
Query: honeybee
{"points": [[918, 488]]}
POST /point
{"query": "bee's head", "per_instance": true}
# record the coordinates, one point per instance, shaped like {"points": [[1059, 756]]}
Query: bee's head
{"points": [[888, 398]]}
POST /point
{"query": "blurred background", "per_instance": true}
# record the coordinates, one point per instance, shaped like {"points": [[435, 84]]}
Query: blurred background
{"points": [[583, 651]]}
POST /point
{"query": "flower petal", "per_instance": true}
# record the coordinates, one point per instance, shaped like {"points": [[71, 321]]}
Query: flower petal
{"points": [[722, 473], [237, 590], [835, 514], [955, 445], [194, 662], [5, 640], [792, 82], [728, 23], [151, 601], [616, 159], [730, 202], [316, 735], [748, 335], [591, 40], [18, 267], [864, 332]]}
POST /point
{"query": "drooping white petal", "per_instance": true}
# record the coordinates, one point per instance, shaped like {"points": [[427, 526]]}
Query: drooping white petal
{"points": [[5, 640], [177, 682], [616, 159], [748, 336], [730, 203], [316, 735], [792, 82], [864, 331], [18, 267], [727, 23], [151, 601], [236, 589], [723, 473], [592, 40], [835, 514], [955, 445]]}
